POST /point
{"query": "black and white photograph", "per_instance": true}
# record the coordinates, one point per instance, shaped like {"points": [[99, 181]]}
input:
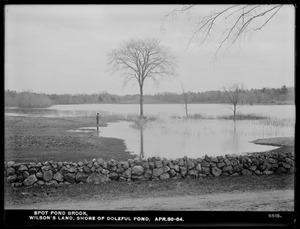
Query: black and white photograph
{"points": [[149, 114]]}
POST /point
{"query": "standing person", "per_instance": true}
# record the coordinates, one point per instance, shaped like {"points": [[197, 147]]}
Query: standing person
{"points": [[97, 118]]}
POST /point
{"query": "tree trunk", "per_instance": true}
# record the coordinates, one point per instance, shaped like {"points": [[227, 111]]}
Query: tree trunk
{"points": [[141, 102], [234, 111], [186, 110]]}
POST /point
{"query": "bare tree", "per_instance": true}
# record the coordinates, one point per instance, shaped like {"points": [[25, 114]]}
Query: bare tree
{"points": [[228, 24], [140, 60], [234, 96], [185, 100]]}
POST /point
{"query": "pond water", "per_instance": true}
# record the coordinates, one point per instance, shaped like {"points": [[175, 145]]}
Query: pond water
{"points": [[170, 135]]}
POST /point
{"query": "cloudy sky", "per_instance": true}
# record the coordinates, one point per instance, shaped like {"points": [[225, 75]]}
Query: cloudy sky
{"points": [[63, 49]]}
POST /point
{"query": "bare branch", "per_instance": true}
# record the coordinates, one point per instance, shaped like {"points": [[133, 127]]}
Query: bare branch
{"points": [[235, 19]]}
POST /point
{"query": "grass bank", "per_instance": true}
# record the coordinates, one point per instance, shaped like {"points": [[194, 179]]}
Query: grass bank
{"points": [[115, 190], [41, 139]]}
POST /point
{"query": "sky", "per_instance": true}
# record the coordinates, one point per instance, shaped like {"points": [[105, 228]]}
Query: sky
{"points": [[58, 49]]}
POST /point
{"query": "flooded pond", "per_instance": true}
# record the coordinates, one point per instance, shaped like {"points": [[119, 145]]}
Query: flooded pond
{"points": [[170, 135]]}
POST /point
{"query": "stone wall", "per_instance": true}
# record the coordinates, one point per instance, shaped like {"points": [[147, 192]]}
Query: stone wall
{"points": [[100, 171]]}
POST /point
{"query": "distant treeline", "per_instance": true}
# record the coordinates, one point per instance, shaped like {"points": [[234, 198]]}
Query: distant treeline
{"points": [[283, 95]]}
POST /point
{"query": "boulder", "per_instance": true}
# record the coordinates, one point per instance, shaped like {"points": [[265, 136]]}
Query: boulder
{"points": [[266, 172], [47, 175], [58, 176], [70, 177], [214, 160], [227, 161], [86, 169], [10, 171], [253, 168], [181, 162], [25, 174], [148, 174], [166, 169], [39, 175], [216, 172], [105, 171], [164, 176], [272, 160], [23, 168], [46, 168], [16, 185], [204, 163], [120, 170], [127, 173], [281, 170], [101, 162], [96, 178], [171, 165], [176, 168], [227, 168], [72, 169], [238, 168], [145, 165], [12, 178], [172, 172], [205, 170], [81, 177], [30, 180], [286, 165], [125, 165], [137, 170], [290, 161], [113, 176], [157, 172], [158, 164], [198, 167], [32, 171], [10, 163], [190, 164], [246, 172], [193, 173], [183, 171], [151, 164]]}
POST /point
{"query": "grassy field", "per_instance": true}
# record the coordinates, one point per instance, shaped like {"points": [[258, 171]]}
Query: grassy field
{"points": [[41, 139]]}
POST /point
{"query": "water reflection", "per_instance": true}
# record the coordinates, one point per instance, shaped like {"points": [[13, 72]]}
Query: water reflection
{"points": [[98, 131], [142, 142], [193, 138]]}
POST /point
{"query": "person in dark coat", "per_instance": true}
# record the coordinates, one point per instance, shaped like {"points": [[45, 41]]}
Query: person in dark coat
{"points": [[97, 118]]}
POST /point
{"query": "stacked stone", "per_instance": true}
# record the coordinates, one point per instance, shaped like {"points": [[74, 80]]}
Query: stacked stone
{"points": [[100, 171]]}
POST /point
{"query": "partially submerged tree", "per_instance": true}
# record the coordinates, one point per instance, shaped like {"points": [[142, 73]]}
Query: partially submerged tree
{"points": [[234, 96], [140, 60], [227, 23]]}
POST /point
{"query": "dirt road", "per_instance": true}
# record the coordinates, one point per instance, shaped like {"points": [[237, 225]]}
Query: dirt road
{"points": [[273, 200]]}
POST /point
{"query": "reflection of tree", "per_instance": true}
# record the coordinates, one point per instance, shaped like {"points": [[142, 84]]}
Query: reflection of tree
{"points": [[142, 143], [235, 138], [141, 125]]}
